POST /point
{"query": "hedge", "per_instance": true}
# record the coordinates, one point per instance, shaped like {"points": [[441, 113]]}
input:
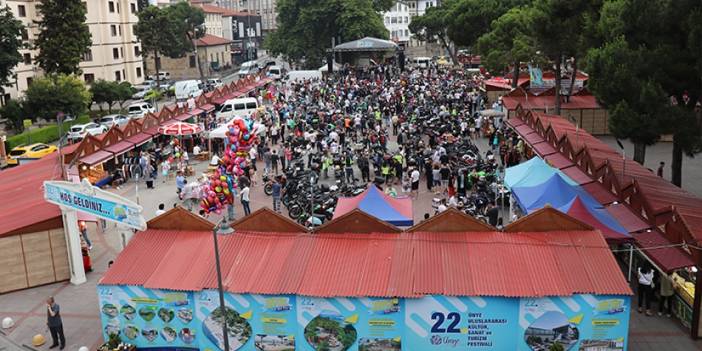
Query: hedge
{"points": [[47, 134]]}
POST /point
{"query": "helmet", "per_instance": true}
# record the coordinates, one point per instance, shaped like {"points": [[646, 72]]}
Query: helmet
{"points": [[38, 340], [7, 323]]}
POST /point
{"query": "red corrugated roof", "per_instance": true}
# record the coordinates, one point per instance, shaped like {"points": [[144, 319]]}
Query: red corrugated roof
{"points": [[212, 40], [23, 194], [376, 264], [542, 102]]}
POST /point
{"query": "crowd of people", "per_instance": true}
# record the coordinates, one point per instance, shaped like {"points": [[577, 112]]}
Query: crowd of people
{"points": [[389, 128]]}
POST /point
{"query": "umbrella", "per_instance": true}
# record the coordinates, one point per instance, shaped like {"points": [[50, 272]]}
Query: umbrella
{"points": [[180, 128]]}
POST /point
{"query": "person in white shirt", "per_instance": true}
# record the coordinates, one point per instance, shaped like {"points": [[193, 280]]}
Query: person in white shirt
{"points": [[645, 288], [245, 200], [196, 150], [414, 178], [161, 209]]}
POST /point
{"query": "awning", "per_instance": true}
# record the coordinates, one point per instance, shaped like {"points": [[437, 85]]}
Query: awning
{"points": [[120, 148], [600, 193], [559, 161], [140, 139], [544, 149], [207, 107], [532, 138], [151, 131], [184, 116], [220, 100], [627, 218], [195, 112], [577, 175], [97, 157], [658, 249]]}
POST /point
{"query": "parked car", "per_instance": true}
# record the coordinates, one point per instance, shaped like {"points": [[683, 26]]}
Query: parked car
{"points": [[139, 95], [111, 120], [247, 68], [162, 75], [79, 131], [33, 151], [214, 83], [140, 109]]}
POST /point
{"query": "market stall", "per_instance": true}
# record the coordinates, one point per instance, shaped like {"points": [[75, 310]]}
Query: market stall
{"points": [[394, 210], [297, 291]]}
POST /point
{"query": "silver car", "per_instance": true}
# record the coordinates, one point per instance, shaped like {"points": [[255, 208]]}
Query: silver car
{"points": [[111, 120]]}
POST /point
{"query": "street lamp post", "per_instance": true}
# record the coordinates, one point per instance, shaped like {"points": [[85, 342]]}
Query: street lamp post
{"points": [[222, 228]]}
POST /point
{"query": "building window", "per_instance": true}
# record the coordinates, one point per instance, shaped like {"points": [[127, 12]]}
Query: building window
{"points": [[124, 74], [138, 72], [29, 81], [192, 61], [25, 34], [111, 6], [118, 76], [21, 11], [121, 52], [88, 56], [137, 51], [115, 53], [27, 58], [89, 78], [133, 7], [118, 7], [119, 29], [393, 20], [406, 19], [113, 30]]}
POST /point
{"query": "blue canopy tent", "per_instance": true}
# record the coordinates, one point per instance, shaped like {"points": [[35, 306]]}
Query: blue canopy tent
{"points": [[396, 211], [555, 191], [531, 173]]}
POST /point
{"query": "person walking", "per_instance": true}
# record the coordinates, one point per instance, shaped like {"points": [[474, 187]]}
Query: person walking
{"points": [[53, 321], [661, 167], [180, 184], [276, 190], [645, 290], [245, 199], [414, 178]]}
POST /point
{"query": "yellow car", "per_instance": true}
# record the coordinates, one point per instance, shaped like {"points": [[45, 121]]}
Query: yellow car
{"points": [[25, 152]]}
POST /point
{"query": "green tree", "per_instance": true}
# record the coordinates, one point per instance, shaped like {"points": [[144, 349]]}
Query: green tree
{"points": [[306, 27], [64, 37], [158, 31], [508, 42], [556, 26], [468, 20], [10, 43], [124, 92], [104, 92], [433, 25], [47, 96], [191, 20], [14, 112]]}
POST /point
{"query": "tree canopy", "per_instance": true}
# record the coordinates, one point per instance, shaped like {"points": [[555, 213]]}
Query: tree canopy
{"points": [[10, 43], [64, 37], [306, 27], [47, 96]]}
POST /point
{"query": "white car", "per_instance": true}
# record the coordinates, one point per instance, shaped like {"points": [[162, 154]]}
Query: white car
{"points": [[111, 120], [161, 75], [275, 72], [79, 131], [214, 83], [140, 109], [247, 68]]}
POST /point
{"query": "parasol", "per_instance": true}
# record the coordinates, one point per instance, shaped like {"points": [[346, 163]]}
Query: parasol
{"points": [[180, 128]]}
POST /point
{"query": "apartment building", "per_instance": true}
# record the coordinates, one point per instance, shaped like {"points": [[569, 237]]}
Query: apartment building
{"points": [[266, 9], [397, 21], [115, 53]]}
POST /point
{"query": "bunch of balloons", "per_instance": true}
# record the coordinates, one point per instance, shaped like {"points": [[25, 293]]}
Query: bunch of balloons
{"points": [[240, 137]]}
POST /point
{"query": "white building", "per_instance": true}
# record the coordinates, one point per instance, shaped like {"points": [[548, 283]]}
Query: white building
{"points": [[397, 21], [114, 55]]}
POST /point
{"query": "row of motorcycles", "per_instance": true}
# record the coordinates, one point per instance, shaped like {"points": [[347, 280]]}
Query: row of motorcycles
{"points": [[307, 201]]}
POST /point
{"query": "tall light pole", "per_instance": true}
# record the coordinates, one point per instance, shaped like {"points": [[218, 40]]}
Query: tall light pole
{"points": [[222, 228]]}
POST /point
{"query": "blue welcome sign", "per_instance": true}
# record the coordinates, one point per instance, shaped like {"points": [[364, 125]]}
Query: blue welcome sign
{"points": [[87, 198]]}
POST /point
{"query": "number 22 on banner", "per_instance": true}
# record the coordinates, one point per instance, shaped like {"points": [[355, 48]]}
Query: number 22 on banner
{"points": [[453, 317]]}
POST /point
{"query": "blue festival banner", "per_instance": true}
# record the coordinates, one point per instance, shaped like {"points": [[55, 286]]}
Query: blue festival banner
{"points": [[176, 320]]}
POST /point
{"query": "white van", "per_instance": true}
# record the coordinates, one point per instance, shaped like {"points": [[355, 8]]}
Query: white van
{"points": [[422, 62], [248, 67], [275, 72], [241, 107], [294, 76], [186, 89]]}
